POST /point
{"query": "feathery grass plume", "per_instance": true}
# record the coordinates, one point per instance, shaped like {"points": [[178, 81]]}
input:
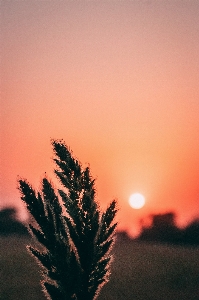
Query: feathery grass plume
{"points": [[76, 237]]}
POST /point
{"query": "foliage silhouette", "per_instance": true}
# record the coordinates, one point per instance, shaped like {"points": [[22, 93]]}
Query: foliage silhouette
{"points": [[191, 233], [76, 237], [163, 229], [9, 225]]}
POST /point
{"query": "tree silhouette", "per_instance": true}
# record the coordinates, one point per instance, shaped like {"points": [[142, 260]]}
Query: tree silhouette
{"points": [[76, 237], [163, 229], [9, 224], [191, 233]]}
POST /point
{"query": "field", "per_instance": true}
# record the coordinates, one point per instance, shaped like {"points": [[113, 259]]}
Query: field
{"points": [[139, 272]]}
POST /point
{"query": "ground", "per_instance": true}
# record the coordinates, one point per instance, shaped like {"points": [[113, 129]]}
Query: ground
{"points": [[140, 271]]}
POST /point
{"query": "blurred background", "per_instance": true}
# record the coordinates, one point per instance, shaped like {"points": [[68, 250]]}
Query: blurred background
{"points": [[118, 82]]}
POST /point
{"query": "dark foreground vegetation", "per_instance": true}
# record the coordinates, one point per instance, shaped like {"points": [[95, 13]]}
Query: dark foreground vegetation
{"points": [[140, 271], [74, 235]]}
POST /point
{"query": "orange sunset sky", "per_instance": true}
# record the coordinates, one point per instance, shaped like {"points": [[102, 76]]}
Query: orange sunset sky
{"points": [[119, 82]]}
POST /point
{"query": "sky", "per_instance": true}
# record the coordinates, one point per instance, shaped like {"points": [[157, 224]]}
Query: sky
{"points": [[118, 82]]}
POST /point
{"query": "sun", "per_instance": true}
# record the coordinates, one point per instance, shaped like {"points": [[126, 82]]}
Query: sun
{"points": [[137, 200]]}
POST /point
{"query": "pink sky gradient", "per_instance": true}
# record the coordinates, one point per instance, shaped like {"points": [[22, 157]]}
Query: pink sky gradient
{"points": [[118, 81]]}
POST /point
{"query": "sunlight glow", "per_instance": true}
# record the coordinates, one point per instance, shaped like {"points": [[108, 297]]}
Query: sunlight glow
{"points": [[137, 201]]}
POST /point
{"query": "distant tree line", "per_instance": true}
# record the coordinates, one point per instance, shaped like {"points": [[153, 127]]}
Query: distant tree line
{"points": [[9, 224], [163, 229]]}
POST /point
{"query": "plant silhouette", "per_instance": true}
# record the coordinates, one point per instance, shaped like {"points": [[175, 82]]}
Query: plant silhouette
{"points": [[76, 237]]}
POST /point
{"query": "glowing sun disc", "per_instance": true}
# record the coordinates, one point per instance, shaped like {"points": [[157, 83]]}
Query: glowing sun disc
{"points": [[137, 201]]}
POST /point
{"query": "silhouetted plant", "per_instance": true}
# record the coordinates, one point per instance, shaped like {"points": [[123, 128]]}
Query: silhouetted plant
{"points": [[76, 237]]}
